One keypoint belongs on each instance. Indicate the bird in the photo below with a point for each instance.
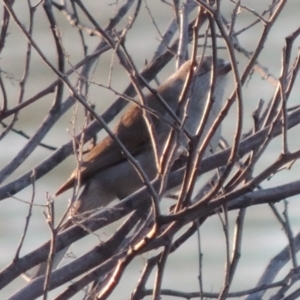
(105, 172)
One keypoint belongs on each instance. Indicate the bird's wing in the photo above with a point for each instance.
(107, 153)
(131, 131)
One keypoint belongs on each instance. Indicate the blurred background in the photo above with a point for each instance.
(263, 235)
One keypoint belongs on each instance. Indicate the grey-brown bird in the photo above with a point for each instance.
(107, 175)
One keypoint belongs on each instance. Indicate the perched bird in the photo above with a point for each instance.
(107, 175)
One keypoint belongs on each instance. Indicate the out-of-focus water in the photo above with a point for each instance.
(263, 237)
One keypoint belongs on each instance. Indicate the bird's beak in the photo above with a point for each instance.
(224, 68)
